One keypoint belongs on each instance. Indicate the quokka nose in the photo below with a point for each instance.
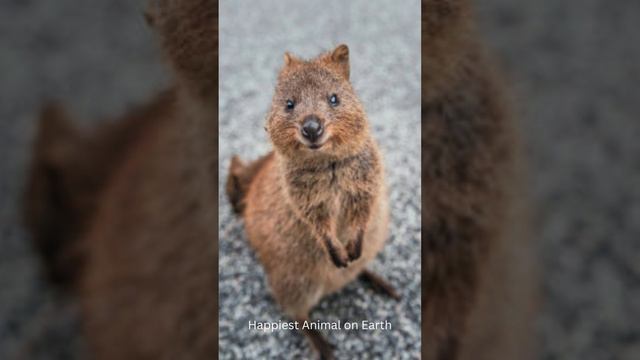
(311, 128)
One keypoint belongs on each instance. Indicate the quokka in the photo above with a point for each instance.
(315, 208)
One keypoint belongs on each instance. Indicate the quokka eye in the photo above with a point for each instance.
(333, 100)
(290, 104)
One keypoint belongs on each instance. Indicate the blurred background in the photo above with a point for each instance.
(99, 59)
(573, 66)
(574, 69)
(384, 52)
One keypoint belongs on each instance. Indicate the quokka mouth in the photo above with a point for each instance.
(317, 145)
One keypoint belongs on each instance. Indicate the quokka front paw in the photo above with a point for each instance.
(354, 248)
(337, 253)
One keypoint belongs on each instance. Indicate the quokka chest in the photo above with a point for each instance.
(332, 188)
(329, 181)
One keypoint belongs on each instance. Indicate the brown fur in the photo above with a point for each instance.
(314, 217)
(69, 168)
(477, 276)
(126, 214)
(189, 28)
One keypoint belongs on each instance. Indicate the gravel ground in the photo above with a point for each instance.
(574, 66)
(385, 70)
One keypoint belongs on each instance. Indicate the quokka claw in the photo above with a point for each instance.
(340, 259)
(354, 249)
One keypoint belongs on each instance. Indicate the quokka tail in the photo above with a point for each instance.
(240, 177)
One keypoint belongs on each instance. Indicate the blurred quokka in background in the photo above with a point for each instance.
(478, 279)
(315, 209)
(125, 216)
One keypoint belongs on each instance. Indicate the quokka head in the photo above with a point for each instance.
(315, 111)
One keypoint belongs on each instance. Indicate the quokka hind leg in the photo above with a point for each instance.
(379, 284)
(318, 341)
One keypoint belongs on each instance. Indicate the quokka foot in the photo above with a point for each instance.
(379, 284)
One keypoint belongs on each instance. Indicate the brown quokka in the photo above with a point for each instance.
(125, 216)
(478, 278)
(315, 209)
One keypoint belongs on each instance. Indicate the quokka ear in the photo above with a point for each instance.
(149, 17)
(340, 56)
(290, 59)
